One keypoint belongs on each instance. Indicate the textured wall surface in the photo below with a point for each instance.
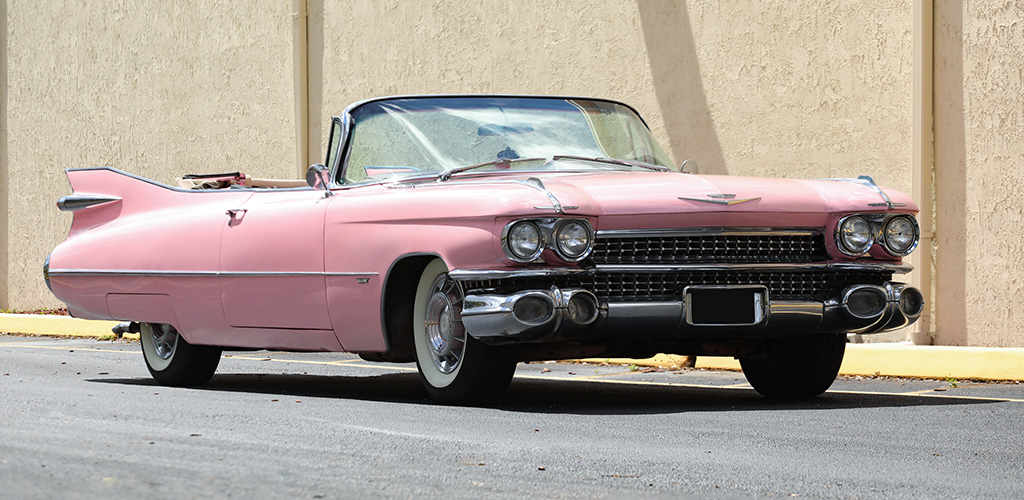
(154, 88)
(805, 90)
(781, 88)
(979, 172)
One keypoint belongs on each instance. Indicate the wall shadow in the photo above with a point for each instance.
(950, 177)
(315, 83)
(672, 55)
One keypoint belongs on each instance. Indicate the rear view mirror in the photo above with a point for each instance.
(688, 167)
(316, 177)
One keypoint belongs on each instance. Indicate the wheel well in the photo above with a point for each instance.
(396, 316)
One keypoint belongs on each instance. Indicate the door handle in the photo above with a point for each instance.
(233, 212)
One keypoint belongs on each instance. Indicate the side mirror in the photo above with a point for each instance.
(316, 177)
(688, 167)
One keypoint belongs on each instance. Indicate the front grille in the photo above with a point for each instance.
(662, 286)
(710, 248)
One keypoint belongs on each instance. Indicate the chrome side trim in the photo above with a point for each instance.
(474, 275)
(73, 202)
(191, 274)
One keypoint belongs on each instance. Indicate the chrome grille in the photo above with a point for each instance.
(660, 286)
(702, 248)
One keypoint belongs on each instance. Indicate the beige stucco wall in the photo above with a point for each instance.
(155, 88)
(979, 172)
(775, 88)
(798, 89)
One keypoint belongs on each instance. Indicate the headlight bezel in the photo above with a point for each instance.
(509, 245)
(587, 236)
(550, 230)
(877, 233)
(889, 247)
(848, 248)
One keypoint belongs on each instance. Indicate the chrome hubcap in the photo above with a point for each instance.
(165, 337)
(443, 325)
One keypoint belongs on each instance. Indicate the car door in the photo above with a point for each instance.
(272, 261)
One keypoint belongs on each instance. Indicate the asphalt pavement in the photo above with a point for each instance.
(82, 418)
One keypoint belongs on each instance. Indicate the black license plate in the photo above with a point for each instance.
(725, 306)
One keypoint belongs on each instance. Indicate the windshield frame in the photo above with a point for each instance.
(347, 121)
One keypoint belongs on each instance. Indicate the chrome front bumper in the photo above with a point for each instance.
(554, 314)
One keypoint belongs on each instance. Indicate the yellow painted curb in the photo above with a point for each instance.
(891, 360)
(59, 326)
(939, 362)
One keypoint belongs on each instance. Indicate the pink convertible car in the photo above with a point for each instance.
(467, 233)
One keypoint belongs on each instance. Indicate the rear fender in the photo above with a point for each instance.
(101, 195)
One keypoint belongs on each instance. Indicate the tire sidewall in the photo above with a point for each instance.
(424, 360)
(153, 360)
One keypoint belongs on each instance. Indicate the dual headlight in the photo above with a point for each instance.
(897, 234)
(525, 240)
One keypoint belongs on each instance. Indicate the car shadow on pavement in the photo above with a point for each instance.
(561, 396)
(581, 398)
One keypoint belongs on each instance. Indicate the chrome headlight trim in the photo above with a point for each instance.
(568, 249)
(845, 232)
(893, 248)
(513, 238)
(552, 235)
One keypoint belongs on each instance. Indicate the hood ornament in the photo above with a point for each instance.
(866, 180)
(721, 199)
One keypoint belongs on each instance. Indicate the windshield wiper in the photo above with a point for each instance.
(447, 174)
(613, 161)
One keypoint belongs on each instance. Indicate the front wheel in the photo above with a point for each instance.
(796, 367)
(172, 360)
(454, 367)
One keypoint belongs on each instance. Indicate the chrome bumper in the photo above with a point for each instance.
(555, 314)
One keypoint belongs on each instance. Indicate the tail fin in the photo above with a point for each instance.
(100, 195)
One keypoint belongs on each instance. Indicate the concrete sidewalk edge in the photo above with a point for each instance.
(893, 360)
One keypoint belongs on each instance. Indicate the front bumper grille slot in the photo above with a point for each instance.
(662, 286)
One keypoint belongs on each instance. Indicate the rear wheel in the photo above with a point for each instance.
(172, 360)
(796, 367)
(454, 367)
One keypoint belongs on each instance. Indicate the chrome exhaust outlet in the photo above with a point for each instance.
(580, 306)
(866, 302)
(910, 300)
(528, 314)
(907, 305)
(533, 308)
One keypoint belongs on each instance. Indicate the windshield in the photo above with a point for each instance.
(428, 136)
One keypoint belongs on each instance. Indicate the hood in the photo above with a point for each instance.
(716, 200)
(631, 199)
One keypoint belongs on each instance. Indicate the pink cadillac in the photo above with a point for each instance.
(467, 233)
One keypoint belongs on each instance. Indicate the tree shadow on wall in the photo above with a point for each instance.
(668, 36)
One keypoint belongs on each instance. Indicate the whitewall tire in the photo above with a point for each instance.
(454, 367)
